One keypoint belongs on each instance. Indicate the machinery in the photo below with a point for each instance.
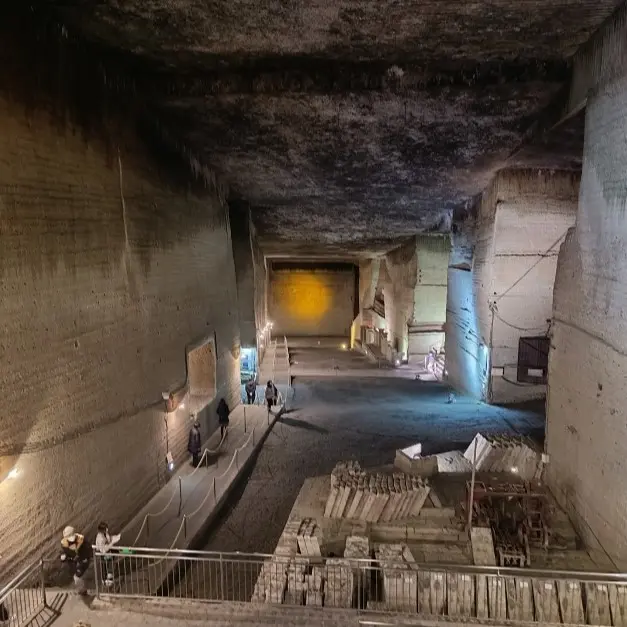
(517, 513)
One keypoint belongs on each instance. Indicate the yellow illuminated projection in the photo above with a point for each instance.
(305, 296)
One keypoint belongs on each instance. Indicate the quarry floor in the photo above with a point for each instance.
(338, 417)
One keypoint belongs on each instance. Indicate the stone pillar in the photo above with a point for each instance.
(506, 292)
(534, 210)
(401, 267)
(587, 398)
(426, 328)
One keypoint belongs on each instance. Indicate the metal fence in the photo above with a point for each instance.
(23, 598)
(461, 592)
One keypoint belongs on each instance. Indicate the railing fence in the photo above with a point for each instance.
(454, 591)
(23, 598)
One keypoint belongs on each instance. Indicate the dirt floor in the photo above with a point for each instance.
(337, 418)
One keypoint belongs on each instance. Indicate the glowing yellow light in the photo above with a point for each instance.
(304, 295)
(343, 347)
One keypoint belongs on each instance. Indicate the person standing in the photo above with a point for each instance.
(104, 543)
(77, 554)
(251, 390)
(270, 395)
(223, 412)
(194, 445)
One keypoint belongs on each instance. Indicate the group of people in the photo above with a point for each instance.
(77, 553)
(271, 393)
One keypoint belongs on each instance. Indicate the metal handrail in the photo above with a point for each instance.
(356, 562)
(23, 602)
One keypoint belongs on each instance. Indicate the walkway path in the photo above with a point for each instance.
(179, 514)
(198, 490)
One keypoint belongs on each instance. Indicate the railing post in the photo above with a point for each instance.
(43, 582)
(97, 570)
(221, 579)
(180, 495)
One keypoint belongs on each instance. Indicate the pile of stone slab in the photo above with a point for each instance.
(314, 586)
(272, 581)
(357, 552)
(506, 453)
(307, 538)
(358, 495)
(414, 463)
(339, 583)
(400, 579)
(495, 453)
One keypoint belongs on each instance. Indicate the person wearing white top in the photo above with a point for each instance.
(104, 543)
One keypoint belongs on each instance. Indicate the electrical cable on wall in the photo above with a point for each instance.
(542, 256)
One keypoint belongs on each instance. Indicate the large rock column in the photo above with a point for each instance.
(504, 296)
(587, 399)
(426, 327)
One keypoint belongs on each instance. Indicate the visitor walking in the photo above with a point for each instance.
(223, 412)
(194, 445)
(251, 390)
(270, 395)
(104, 543)
(77, 554)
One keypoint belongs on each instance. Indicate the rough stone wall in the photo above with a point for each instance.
(398, 288)
(586, 405)
(260, 284)
(533, 213)
(107, 274)
(239, 220)
(521, 220)
(467, 313)
(312, 301)
(429, 316)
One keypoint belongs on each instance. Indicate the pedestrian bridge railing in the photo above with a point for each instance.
(459, 592)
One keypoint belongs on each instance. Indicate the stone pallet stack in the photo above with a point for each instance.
(339, 583)
(307, 538)
(505, 453)
(272, 581)
(400, 579)
(315, 587)
(288, 542)
(358, 548)
(358, 495)
(296, 584)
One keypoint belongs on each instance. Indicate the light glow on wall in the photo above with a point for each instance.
(306, 297)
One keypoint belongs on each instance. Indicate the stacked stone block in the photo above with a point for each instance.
(272, 581)
(400, 578)
(506, 453)
(358, 549)
(315, 587)
(357, 495)
(296, 585)
(339, 583)
(307, 538)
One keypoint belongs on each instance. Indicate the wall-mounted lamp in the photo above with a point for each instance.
(13, 473)
(169, 460)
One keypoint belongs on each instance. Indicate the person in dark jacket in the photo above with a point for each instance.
(194, 445)
(77, 554)
(223, 412)
(251, 390)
